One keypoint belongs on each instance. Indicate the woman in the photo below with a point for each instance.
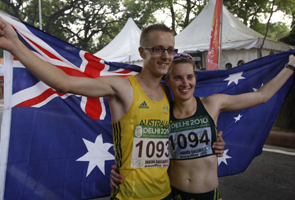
(193, 166)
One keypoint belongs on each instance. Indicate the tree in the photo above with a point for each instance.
(276, 30)
(289, 7)
(290, 39)
(12, 8)
(141, 11)
(79, 22)
(90, 25)
(91, 19)
(183, 12)
(247, 9)
(191, 9)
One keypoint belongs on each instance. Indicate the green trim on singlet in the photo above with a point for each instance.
(200, 112)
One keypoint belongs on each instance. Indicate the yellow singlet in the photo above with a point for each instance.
(141, 146)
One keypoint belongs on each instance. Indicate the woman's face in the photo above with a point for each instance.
(182, 81)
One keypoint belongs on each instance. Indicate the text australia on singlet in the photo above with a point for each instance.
(150, 144)
(190, 138)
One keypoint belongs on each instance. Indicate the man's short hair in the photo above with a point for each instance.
(155, 27)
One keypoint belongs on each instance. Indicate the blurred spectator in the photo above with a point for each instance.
(241, 62)
(228, 66)
(198, 66)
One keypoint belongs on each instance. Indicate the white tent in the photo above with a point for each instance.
(124, 47)
(1, 70)
(239, 42)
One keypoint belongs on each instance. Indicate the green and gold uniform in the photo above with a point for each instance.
(141, 146)
(192, 138)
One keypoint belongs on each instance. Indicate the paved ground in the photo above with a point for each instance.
(270, 176)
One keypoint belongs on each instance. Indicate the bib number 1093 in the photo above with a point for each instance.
(149, 153)
(152, 148)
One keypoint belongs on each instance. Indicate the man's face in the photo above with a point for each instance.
(158, 63)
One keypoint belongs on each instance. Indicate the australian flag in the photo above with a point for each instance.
(59, 146)
(55, 145)
(245, 131)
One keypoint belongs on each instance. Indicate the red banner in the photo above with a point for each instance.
(213, 54)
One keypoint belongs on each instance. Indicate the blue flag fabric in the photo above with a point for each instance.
(245, 131)
(53, 146)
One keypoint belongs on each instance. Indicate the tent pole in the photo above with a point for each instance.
(40, 16)
(220, 35)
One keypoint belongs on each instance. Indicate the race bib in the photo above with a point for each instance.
(190, 138)
(150, 147)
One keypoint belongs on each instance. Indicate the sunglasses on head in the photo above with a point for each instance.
(181, 56)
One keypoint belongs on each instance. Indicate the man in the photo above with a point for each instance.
(137, 103)
(228, 66)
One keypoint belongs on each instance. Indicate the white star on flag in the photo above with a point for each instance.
(254, 89)
(234, 78)
(238, 118)
(97, 154)
(224, 157)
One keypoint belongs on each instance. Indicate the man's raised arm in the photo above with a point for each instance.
(49, 74)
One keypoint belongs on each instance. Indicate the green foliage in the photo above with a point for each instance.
(287, 6)
(289, 39)
(79, 22)
(250, 11)
(141, 11)
(91, 25)
(247, 9)
(275, 30)
(188, 12)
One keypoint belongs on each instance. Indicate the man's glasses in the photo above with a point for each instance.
(161, 50)
(182, 56)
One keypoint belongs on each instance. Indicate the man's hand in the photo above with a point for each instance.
(219, 146)
(7, 36)
(292, 60)
(115, 178)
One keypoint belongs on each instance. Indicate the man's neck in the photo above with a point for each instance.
(150, 86)
(148, 80)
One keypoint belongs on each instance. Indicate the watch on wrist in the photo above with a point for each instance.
(290, 66)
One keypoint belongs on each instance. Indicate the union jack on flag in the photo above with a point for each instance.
(73, 61)
(59, 146)
(69, 135)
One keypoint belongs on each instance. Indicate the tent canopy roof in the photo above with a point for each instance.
(195, 37)
(235, 34)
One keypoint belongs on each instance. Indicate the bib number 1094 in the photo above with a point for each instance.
(191, 139)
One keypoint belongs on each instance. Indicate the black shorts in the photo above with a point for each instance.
(181, 195)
